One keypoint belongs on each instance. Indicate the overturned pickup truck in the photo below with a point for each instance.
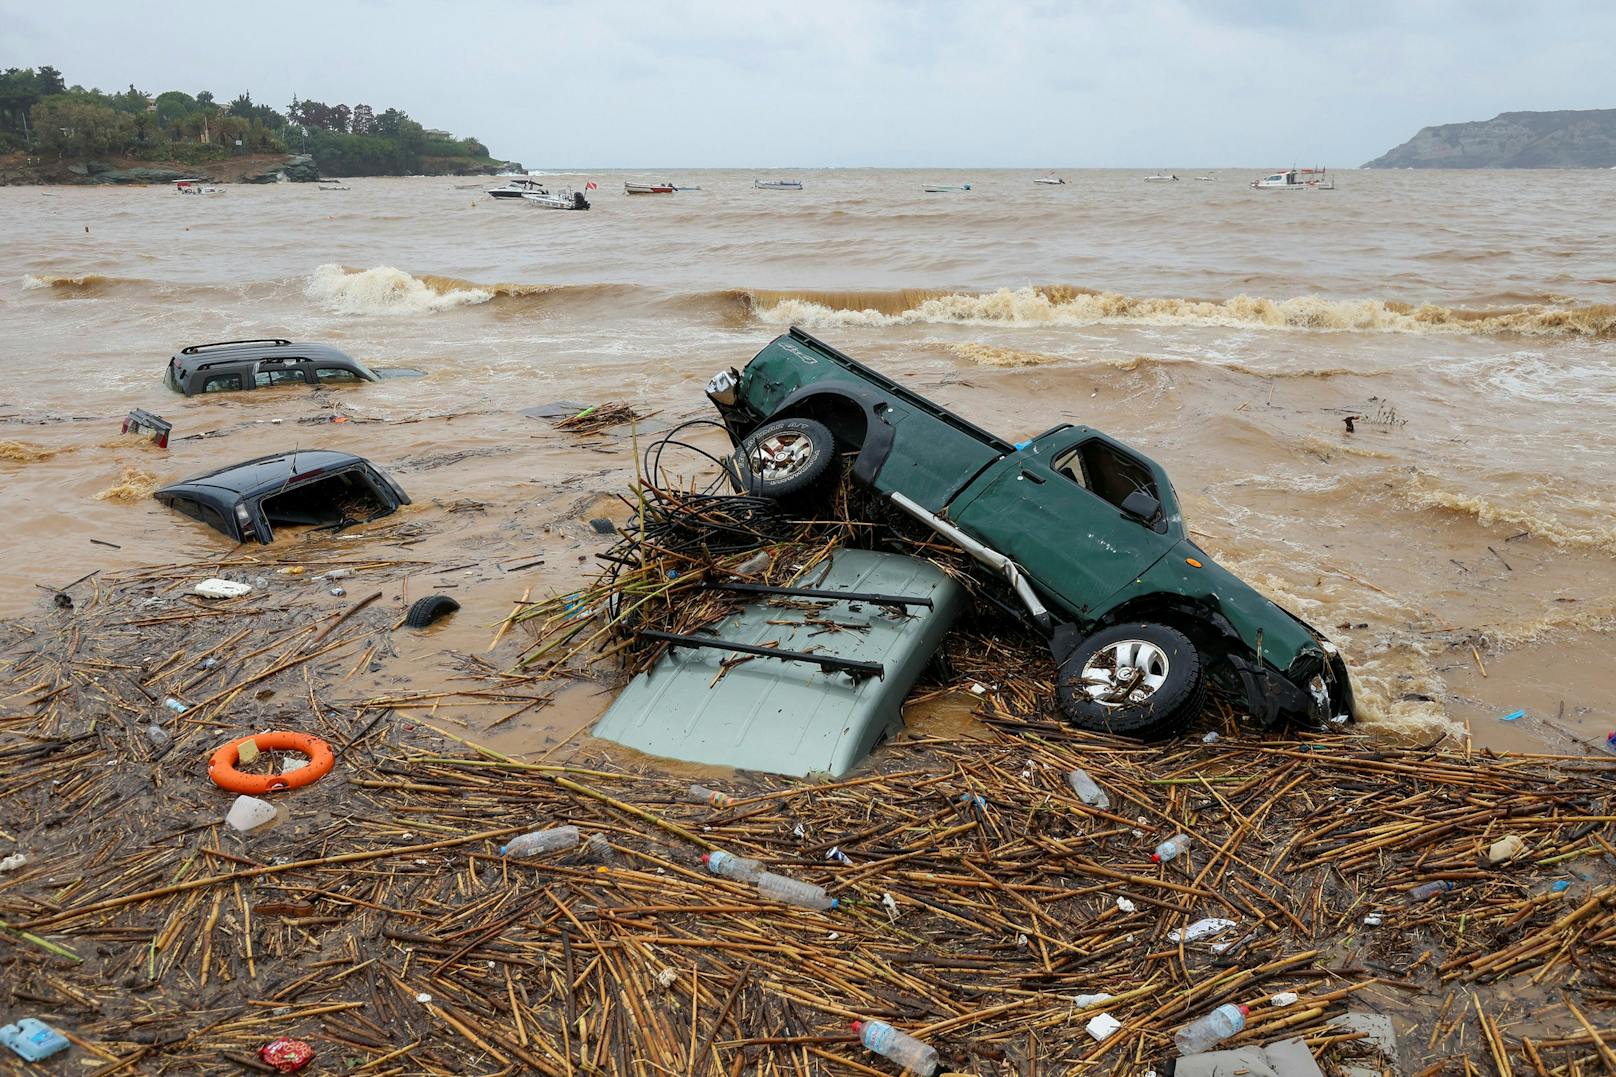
(1085, 531)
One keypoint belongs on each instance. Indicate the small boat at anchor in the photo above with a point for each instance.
(649, 188)
(559, 199)
(943, 188)
(192, 186)
(1161, 177)
(517, 188)
(1051, 180)
(1296, 179)
(777, 185)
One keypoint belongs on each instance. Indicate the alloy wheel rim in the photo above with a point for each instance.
(1125, 673)
(782, 455)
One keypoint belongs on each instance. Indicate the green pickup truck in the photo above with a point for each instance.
(1085, 532)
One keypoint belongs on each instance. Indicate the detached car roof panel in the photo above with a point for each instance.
(785, 717)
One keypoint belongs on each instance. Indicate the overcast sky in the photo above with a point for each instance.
(690, 83)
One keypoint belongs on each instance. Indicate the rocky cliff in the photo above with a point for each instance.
(1565, 139)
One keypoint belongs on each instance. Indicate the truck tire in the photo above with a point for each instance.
(1161, 685)
(787, 460)
(423, 611)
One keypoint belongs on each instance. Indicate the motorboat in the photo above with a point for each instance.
(777, 185)
(560, 199)
(941, 188)
(518, 188)
(196, 187)
(1161, 177)
(649, 188)
(1296, 179)
(335, 187)
(1051, 180)
(1204, 179)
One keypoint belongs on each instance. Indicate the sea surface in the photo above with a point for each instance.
(1459, 543)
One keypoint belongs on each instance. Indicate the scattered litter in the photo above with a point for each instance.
(217, 588)
(13, 862)
(794, 892)
(1284, 998)
(837, 855)
(175, 705)
(423, 611)
(1126, 906)
(1201, 929)
(603, 526)
(1505, 848)
(729, 866)
(1211, 1029)
(910, 1054)
(541, 841)
(1087, 789)
(336, 592)
(1374, 919)
(1512, 716)
(593, 420)
(33, 1039)
(889, 903)
(222, 765)
(249, 814)
(288, 1056)
(1102, 1026)
(981, 690)
(598, 849)
(1088, 1002)
(423, 998)
(1210, 738)
(1429, 890)
(1170, 849)
(754, 564)
(700, 794)
(667, 978)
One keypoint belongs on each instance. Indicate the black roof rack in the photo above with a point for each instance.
(278, 342)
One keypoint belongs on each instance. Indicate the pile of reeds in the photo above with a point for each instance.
(601, 417)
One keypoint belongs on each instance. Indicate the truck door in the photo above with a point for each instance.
(1056, 509)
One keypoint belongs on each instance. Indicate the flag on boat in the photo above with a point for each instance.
(590, 186)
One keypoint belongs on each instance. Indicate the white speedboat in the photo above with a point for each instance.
(335, 187)
(517, 188)
(196, 187)
(1161, 177)
(941, 188)
(649, 188)
(777, 185)
(1051, 180)
(1296, 179)
(560, 199)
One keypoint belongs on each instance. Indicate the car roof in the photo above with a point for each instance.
(197, 356)
(266, 472)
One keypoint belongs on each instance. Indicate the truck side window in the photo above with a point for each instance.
(1105, 472)
(221, 383)
(332, 373)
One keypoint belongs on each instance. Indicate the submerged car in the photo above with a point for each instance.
(1083, 530)
(309, 487)
(230, 365)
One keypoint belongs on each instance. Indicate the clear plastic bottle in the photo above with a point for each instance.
(700, 794)
(598, 849)
(900, 1047)
(1429, 890)
(157, 735)
(1173, 847)
(1087, 790)
(794, 891)
(729, 866)
(175, 705)
(1205, 1032)
(540, 841)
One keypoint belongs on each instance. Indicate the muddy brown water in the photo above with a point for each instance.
(1467, 321)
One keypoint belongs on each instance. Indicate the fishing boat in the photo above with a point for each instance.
(777, 185)
(649, 188)
(559, 199)
(1051, 180)
(335, 187)
(192, 186)
(1161, 177)
(941, 188)
(1296, 179)
(517, 188)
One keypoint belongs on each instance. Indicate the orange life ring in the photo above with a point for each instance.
(222, 767)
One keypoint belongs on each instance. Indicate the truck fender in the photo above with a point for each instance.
(875, 438)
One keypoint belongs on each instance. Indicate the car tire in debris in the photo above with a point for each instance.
(423, 611)
(1137, 679)
(788, 459)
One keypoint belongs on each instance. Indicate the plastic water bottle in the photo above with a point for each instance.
(1429, 890)
(1086, 789)
(541, 841)
(1173, 847)
(175, 705)
(598, 849)
(729, 866)
(794, 891)
(157, 735)
(900, 1047)
(1214, 1028)
(700, 794)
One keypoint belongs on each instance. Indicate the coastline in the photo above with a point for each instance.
(32, 170)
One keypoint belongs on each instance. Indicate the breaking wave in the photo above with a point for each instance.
(82, 284)
(1068, 306)
(385, 290)
(1420, 494)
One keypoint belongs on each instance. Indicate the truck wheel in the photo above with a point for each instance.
(1136, 679)
(785, 459)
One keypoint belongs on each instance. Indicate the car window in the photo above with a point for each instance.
(332, 373)
(277, 376)
(1105, 471)
(185, 505)
(219, 383)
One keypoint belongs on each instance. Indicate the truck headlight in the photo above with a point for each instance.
(724, 387)
(1321, 695)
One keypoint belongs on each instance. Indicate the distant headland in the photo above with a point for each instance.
(53, 133)
(1564, 139)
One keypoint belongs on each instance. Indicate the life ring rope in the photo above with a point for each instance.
(222, 766)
